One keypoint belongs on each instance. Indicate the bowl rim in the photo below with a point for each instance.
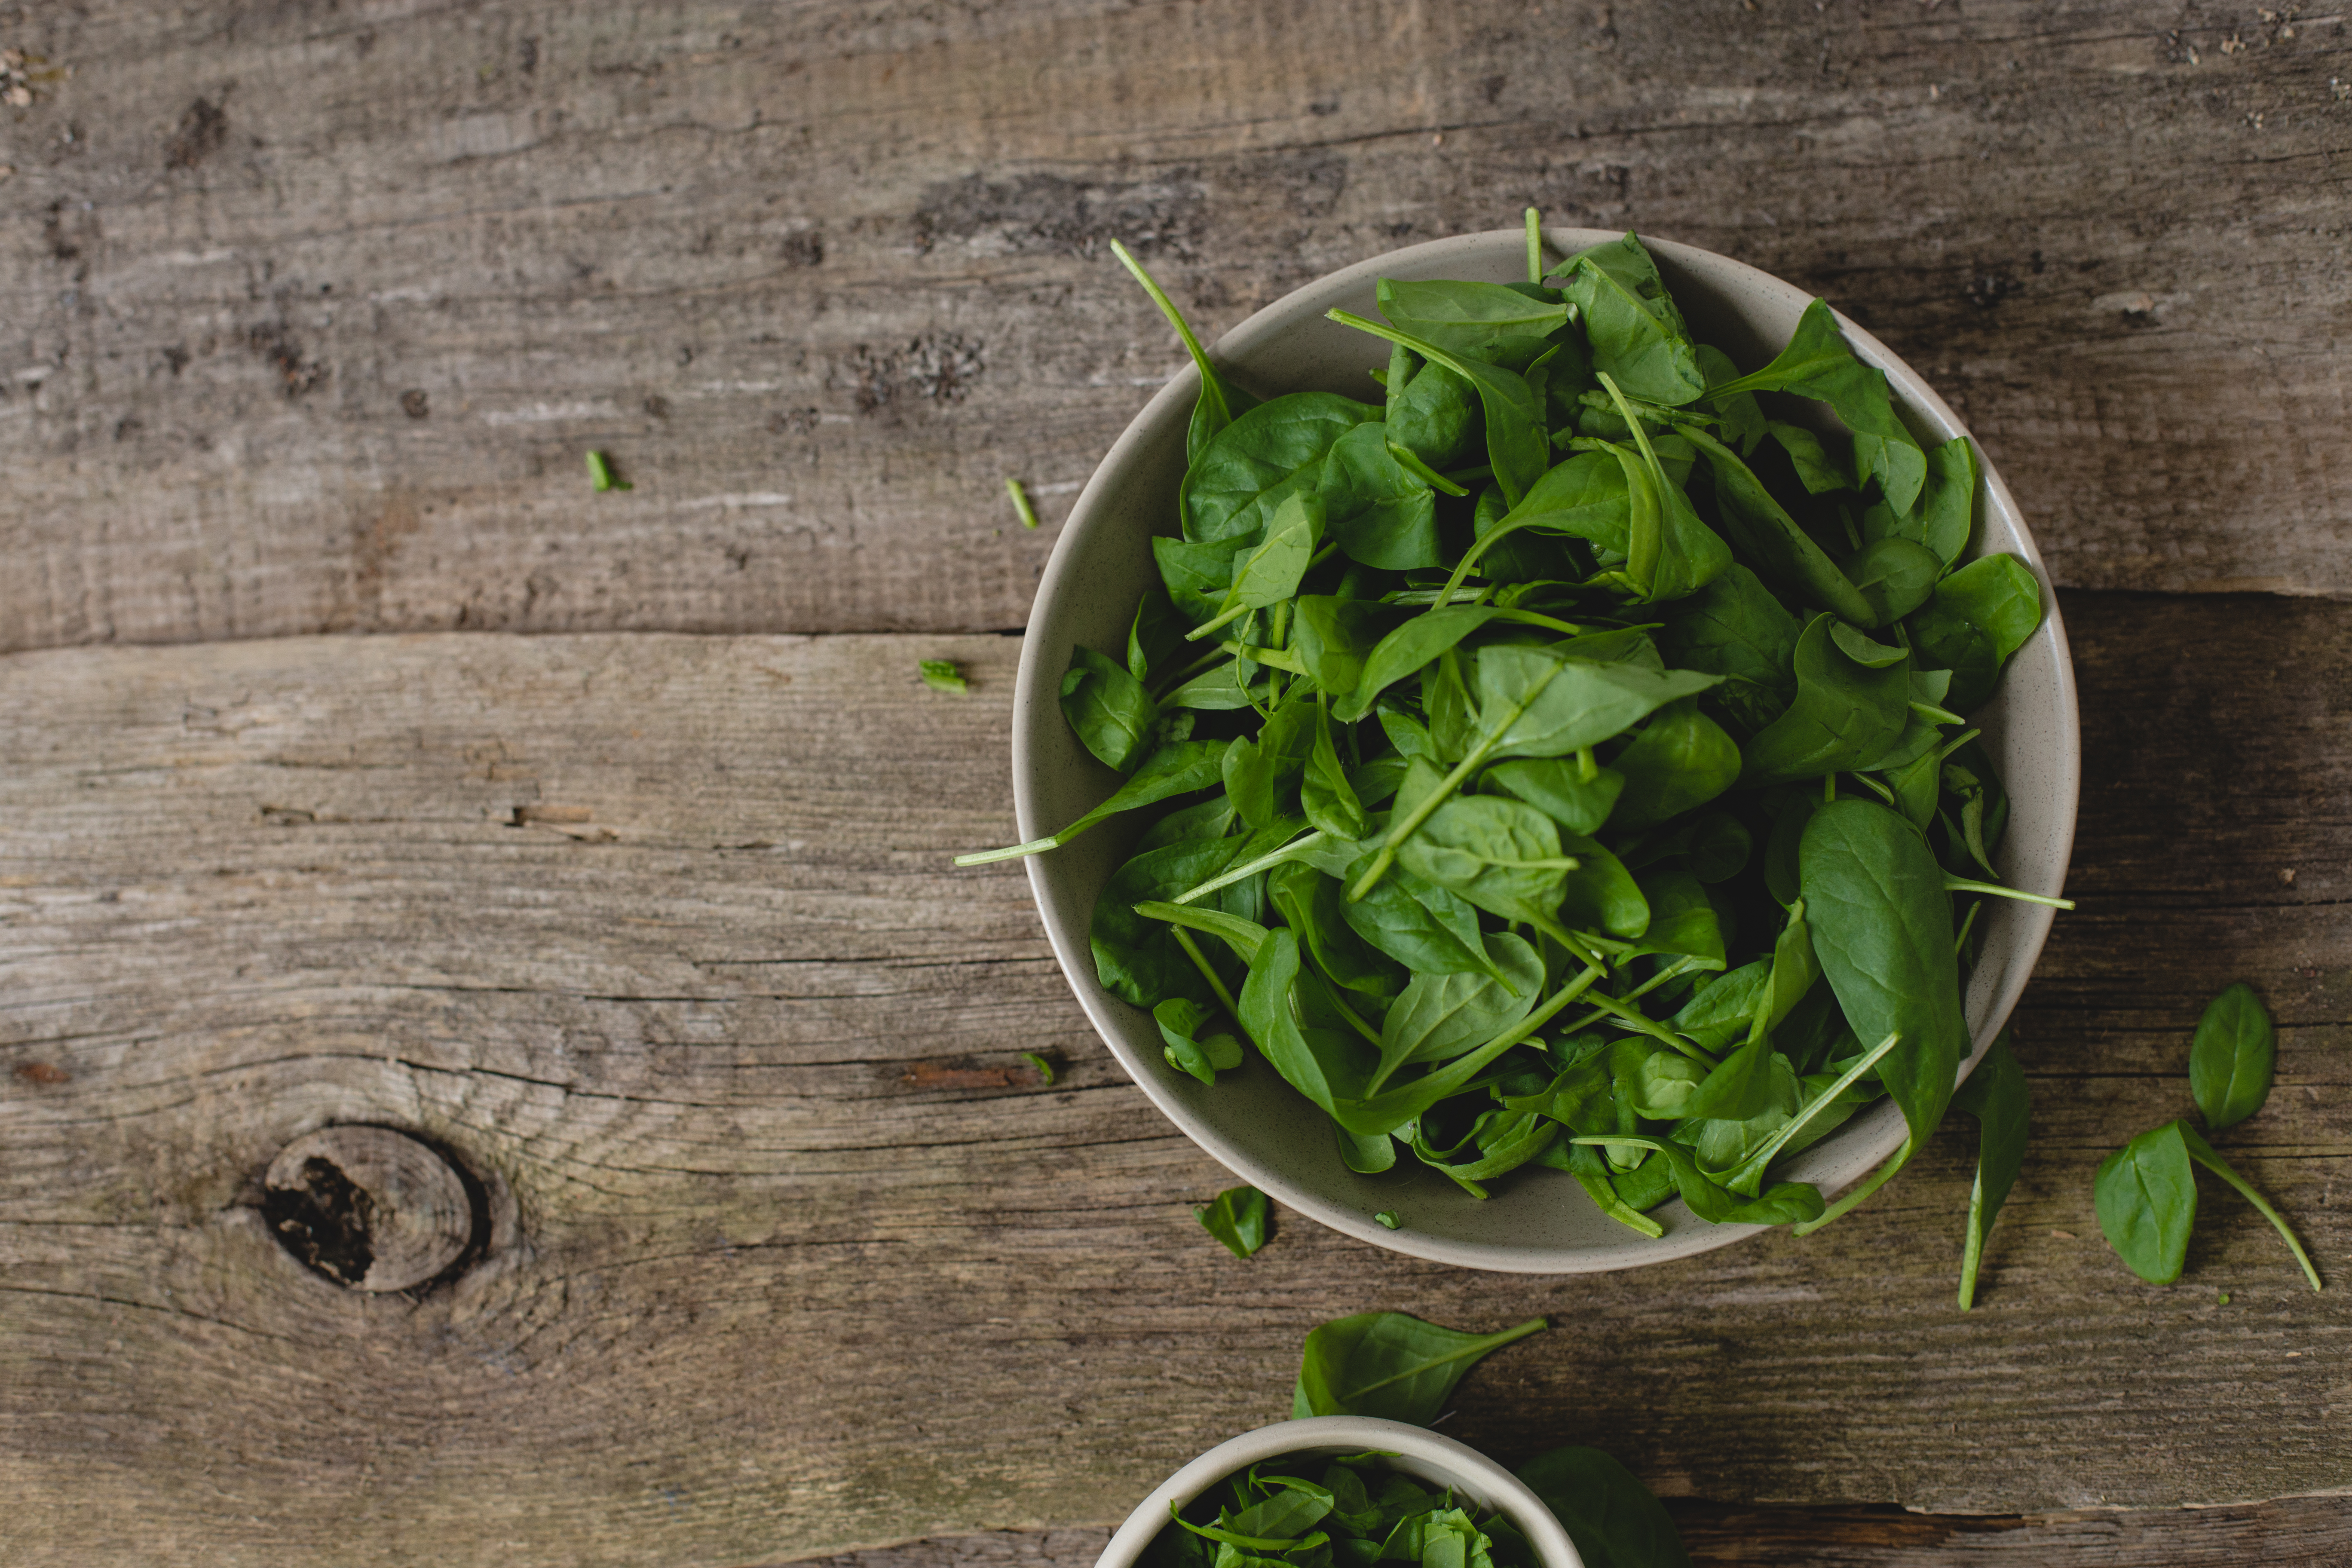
(1879, 1126)
(1455, 1463)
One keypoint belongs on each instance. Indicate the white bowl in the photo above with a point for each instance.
(1253, 1123)
(1414, 1450)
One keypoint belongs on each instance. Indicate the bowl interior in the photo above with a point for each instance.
(1253, 1123)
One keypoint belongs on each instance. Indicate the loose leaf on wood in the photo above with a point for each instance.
(2203, 1152)
(2230, 1064)
(2146, 1194)
(1997, 1097)
(1389, 1365)
(1237, 1218)
(1613, 1520)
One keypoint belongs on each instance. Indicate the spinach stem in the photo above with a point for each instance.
(1021, 502)
(1462, 1069)
(1994, 890)
(1200, 961)
(1273, 858)
(1972, 1252)
(1752, 1168)
(1869, 1184)
(1409, 461)
(1535, 247)
(1212, 387)
(2213, 1161)
(1279, 658)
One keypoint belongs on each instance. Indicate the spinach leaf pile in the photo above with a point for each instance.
(2146, 1192)
(1560, 761)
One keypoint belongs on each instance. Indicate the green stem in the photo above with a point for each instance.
(1535, 247)
(1994, 890)
(1273, 858)
(1225, 617)
(1870, 1184)
(1409, 461)
(1021, 502)
(2204, 1156)
(1279, 658)
(1681, 966)
(1200, 961)
(1010, 851)
(1753, 1166)
(1189, 671)
(1212, 387)
(1456, 1074)
(1972, 1252)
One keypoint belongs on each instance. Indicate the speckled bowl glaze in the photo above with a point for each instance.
(1251, 1122)
(1412, 1449)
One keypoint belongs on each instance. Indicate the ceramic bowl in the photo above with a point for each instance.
(1253, 1123)
(1412, 1449)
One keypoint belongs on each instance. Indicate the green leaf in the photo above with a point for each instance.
(1312, 905)
(1432, 413)
(1185, 1048)
(1816, 470)
(1881, 928)
(1679, 760)
(2203, 1152)
(1999, 595)
(1516, 446)
(1613, 1519)
(1109, 710)
(1439, 1017)
(1637, 335)
(1844, 714)
(1997, 1097)
(1421, 925)
(1324, 792)
(1389, 1365)
(1558, 787)
(1263, 457)
(1324, 1066)
(1408, 649)
(1267, 572)
(1219, 402)
(942, 675)
(1502, 854)
(1237, 1218)
(1333, 637)
(2146, 1197)
(1818, 363)
(1138, 959)
(1553, 703)
(1893, 575)
(1763, 530)
(2231, 1060)
(1489, 321)
(1375, 510)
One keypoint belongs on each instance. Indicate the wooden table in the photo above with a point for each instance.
(612, 860)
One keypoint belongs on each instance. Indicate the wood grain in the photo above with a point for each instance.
(793, 1254)
(309, 314)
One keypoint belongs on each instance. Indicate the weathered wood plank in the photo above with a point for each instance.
(794, 1255)
(308, 316)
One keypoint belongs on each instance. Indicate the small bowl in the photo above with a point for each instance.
(1253, 1123)
(1414, 1450)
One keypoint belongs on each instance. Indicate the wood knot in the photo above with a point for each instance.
(373, 1208)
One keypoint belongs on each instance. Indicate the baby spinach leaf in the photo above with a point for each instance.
(1502, 854)
(1558, 787)
(1637, 335)
(1843, 714)
(1545, 704)
(1138, 959)
(1734, 626)
(1881, 928)
(1613, 1520)
(2203, 1152)
(1408, 649)
(1439, 1017)
(1109, 710)
(1376, 511)
(1432, 413)
(2231, 1062)
(1819, 473)
(1311, 904)
(1324, 792)
(1217, 689)
(1669, 553)
(1584, 498)
(1783, 1203)
(1180, 1019)
(1765, 532)
(1680, 759)
(1818, 363)
(1156, 636)
(1324, 1066)
(1999, 596)
(1516, 444)
(2146, 1197)
(1259, 774)
(1942, 637)
(1996, 1096)
(1489, 321)
(941, 675)
(1177, 768)
(1264, 456)
(1268, 572)
(1421, 925)
(1196, 575)
(1740, 1087)
(1598, 893)
(1389, 1365)
(1333, 637)
(1237, 1218)
(1946, 517)
(1893, 575)
(1219, 402)
(1858, 647)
